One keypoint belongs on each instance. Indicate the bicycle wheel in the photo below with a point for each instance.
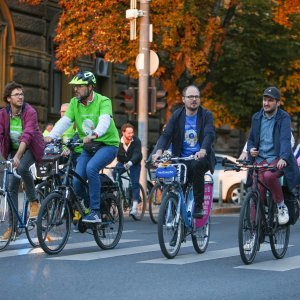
(249, 226)
(200, 237)
(108, 234)
(53, 223)
(6, 221)
(31, 224)
(155, 197)
(169, 231)
(141, 207)
(279, 239)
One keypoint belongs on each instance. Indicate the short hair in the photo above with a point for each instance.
(9, 88)
(185, 89)
(64, 105)
(125, 126)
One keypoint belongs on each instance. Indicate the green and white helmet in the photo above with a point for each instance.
(84, 77)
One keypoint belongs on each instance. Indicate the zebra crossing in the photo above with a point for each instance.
(128, 247)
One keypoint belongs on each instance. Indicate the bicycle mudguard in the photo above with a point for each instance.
(207, 204)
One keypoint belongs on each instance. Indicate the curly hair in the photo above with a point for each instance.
(9, 88)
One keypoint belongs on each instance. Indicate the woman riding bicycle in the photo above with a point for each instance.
(269, 142)
(92, 114)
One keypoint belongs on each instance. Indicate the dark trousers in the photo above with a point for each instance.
(196, 170)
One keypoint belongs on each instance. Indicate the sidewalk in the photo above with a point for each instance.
(225, 208)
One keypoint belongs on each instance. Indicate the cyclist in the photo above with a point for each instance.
(129, 157)
(191, 132)
(92, 114)
(21, 140)
(269, 142)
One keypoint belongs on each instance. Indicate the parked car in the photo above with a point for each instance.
(229, 180)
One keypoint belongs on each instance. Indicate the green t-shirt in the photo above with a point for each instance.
(15, 132)
(86, 118)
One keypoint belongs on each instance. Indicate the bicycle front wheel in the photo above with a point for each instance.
(155, 197)
(6, 222)
(141, 207)
(169, 230)
(31, 224)
(249, 226)
(200, 237)
(53, 223)
(108, 234)
(279, 239)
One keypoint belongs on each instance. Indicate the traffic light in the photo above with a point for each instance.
(156, 100)
(130, 100)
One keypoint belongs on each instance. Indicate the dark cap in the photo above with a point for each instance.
(273, 92)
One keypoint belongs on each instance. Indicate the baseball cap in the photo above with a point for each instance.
(273, 92)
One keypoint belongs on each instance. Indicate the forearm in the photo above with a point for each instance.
(21, 150)
(60, 127)
(103, 125)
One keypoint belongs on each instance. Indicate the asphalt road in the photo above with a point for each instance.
(136, 268)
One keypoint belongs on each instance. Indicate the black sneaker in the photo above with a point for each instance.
(198, 213)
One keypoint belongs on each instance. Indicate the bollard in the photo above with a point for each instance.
(242, 192)
(220, 193)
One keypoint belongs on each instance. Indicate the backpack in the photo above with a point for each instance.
(292, 203)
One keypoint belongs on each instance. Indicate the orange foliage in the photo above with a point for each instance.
(284, 9)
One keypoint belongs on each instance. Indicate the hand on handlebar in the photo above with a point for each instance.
(200, 154)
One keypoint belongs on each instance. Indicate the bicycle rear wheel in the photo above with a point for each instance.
(6, 221)
(200, 237)
(53, 223)
(141, 207)
(31, 224)
(279, 239)
(249, 226)
(108, 234)
(155, 197)
(169, 231)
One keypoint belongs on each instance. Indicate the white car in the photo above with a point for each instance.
(229, 180)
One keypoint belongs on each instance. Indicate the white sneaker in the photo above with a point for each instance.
(133, 210)
(283, 214)
(249, 244)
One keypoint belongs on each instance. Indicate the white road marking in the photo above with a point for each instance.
(278, 265)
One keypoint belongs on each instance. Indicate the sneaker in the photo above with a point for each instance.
(198, 213)
(249, 244)
(283, 215)
(92, 217)
(34, 209)
(133, 211)
(6, 235)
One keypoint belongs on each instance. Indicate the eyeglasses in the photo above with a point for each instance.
(192, 97)
(17, 95)
(79, 86)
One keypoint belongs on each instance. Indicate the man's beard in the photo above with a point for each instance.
(81, 98)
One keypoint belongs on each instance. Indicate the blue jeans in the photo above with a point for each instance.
(134, 173)
(88, 167)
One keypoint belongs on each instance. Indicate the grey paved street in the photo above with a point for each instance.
(136, 268)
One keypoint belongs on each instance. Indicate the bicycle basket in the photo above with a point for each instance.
(166, 174)
(47, 166)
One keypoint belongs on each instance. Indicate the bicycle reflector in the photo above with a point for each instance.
(166, 172)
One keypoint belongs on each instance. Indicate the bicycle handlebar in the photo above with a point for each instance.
(9, 164)
(245, 164)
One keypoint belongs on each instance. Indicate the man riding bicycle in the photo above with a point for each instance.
(191, 132)
(269, 142)
(92, 114)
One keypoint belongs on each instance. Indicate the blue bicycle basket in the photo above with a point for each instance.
(166, 172)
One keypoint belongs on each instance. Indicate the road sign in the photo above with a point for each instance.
(154, 62)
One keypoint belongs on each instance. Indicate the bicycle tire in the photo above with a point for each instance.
(6, 221)
(279, 239)
(168, 230)
(54, 223)
(200, 237)
(108, 234)
(249, 228)
(31, 224)
(155, 197)
(141, 207)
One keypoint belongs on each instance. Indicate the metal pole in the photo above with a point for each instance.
(143, 86)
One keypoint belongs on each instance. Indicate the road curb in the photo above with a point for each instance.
(226, 210)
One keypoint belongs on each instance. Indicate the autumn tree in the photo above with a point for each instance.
(230, 48)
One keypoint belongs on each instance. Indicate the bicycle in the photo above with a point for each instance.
(258, 219)
(57, 212)
(10, 219)
(175, 219)
(125, 193)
